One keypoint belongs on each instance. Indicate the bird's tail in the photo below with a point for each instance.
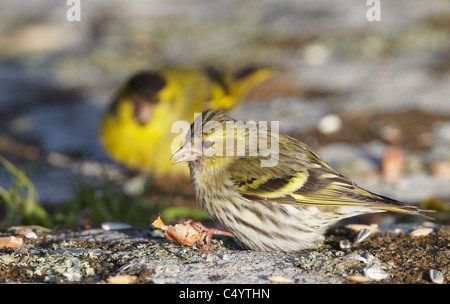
(235, 87)
(388, 204)
(247, 79)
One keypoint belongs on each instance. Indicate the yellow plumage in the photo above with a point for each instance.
(136, 129)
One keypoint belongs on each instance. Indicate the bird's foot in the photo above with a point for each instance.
(207, 234)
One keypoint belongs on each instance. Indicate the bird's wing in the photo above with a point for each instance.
(305, 181)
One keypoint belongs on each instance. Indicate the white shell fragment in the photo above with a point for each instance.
(436, 276)
(421, 232)
(372, 272)
(362, 235)
(115, 226)
(344, 244)
(375, 273)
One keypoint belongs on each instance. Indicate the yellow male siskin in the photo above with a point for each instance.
(285, 205)
(136, 129)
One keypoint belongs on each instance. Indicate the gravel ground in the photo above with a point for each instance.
(95, 255)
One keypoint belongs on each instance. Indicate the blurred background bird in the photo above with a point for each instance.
(136, 129)
(283, 204)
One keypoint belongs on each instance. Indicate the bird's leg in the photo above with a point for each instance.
(207, 234)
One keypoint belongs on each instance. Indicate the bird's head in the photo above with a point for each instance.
(143, 90)
(205, 141)
(216, 141)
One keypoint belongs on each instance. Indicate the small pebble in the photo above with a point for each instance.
(280, 279)
(344, 244)
(316, 54)
(329, 124)
(122, 279)
(427, 224)
(11, 242)
(358, 279)
(398, 231)
(440, 169)
(392, 165)
(209, 258)
(115, 226)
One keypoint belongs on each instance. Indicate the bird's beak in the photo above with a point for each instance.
(186, 153)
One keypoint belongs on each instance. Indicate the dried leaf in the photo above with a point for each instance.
(158, 223)
(184, 234)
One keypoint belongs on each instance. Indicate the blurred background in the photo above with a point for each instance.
(371, 97)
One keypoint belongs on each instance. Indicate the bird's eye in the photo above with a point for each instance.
(207, 144)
